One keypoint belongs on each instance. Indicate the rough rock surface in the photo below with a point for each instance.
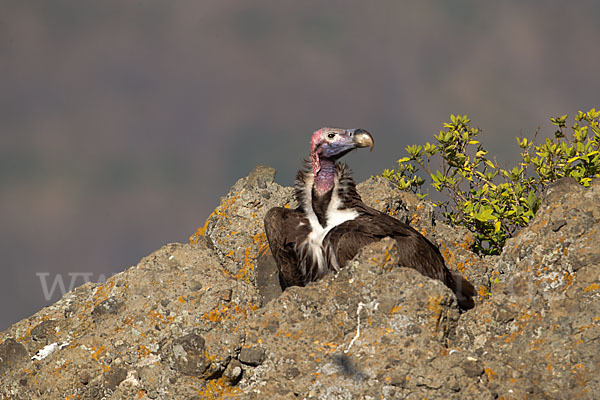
(539, 331)
(208, 319)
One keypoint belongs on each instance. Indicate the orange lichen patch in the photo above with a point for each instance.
(58, 371)
(181, 299)
(382, 262)
(385, 262)
(97, 353)
(27, 332)
(261, 240)
(102, 291)
(491, 374)
(585, 327)
(565, 280)
(158, 317)
(217, 315)
(578, 366)
(568, 279)
(468, 243)
(327, 347)
(143, 351)
(392, 212)
(387, 258)
(296, 335)
(217, 389)
(581, 374)
(483, 291)
(536, 345)
(460, 266)
(247, 265)
(395, 309)
(293, 335)
(434, 304)
(250, 256)
(219, 212)
(449, 255)
(419, 207)
(210, 357)
(521, 321)
(201, 231)
(593, 286)
(451, 259)
(227, 313)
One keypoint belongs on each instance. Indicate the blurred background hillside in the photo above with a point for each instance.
(122, 123)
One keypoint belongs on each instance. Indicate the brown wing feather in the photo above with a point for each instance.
(284, 228)
(416, 251)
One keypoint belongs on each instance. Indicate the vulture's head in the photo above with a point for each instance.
(333, 143)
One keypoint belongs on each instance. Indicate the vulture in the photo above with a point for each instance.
(331, 222)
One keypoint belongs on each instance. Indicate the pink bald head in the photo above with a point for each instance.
(329, 144)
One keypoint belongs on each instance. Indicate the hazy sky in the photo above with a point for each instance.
(124, 122)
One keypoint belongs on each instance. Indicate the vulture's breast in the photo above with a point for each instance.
(334, 216)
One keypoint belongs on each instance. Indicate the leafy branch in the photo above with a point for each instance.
(492, 202)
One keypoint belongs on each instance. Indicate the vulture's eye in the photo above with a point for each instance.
(331, 135)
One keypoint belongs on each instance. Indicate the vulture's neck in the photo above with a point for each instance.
(333, 183)
(324, 179)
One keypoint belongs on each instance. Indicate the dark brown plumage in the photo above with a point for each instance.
(331, 225)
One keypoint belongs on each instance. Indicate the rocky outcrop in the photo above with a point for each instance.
(208, 320)
(539, 330)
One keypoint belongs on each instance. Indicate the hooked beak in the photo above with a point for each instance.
(362, 138)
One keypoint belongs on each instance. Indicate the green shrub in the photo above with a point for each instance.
(490, 201)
